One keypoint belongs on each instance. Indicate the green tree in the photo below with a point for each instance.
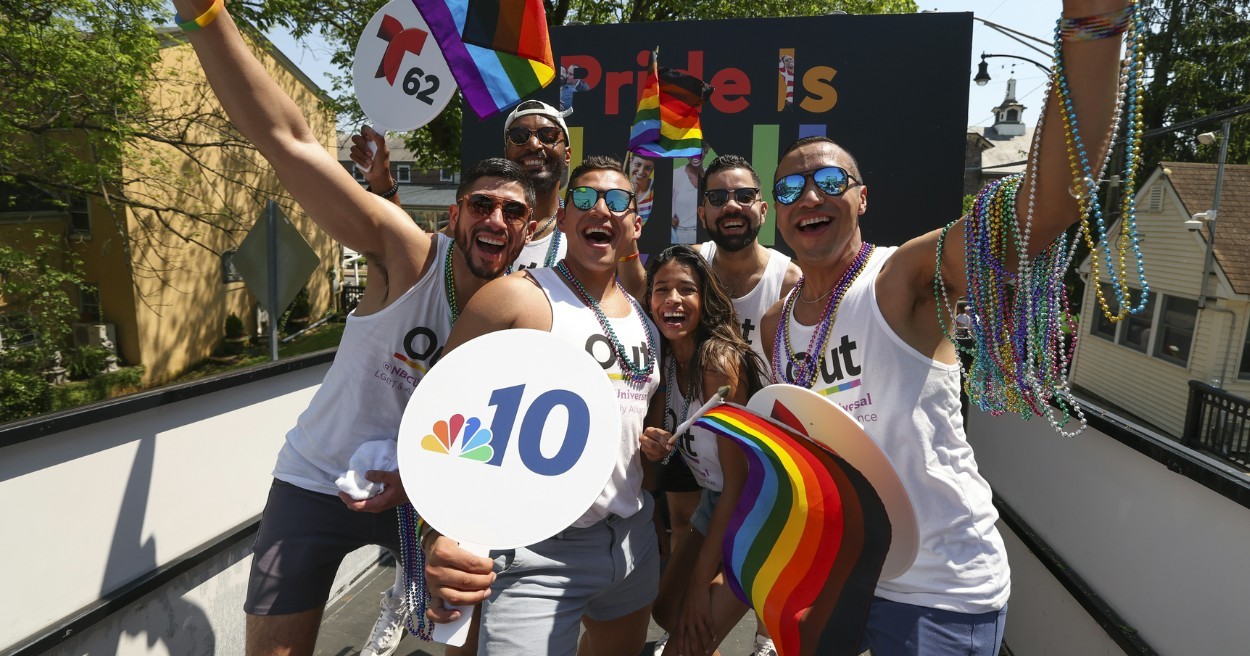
(1198, 61)
(438, 144)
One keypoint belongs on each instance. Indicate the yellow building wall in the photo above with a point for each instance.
(175, 274)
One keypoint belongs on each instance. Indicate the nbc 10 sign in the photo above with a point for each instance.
(509, 439)
(892, 89)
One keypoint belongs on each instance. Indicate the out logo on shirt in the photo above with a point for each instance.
(600, 348)
(489, 445)
(835, 368)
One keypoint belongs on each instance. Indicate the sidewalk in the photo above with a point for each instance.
(348, 621)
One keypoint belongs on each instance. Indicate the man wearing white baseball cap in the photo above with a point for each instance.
(536, 137)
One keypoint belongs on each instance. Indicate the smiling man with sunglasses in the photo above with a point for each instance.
(601, 573)
(536, 138)
(862, 328)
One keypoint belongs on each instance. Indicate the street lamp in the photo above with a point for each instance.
(1208, 138)
(983, 69)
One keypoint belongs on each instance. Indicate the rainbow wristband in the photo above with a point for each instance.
(1092, 28)
(203, 20)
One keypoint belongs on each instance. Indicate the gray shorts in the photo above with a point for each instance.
(702, 517)
(541, 592)
(302, 541)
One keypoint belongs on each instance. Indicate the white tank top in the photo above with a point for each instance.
(381, 358)
(755, 303)
(698, 447)
(573, 320)
(543, 252)
(909, 405)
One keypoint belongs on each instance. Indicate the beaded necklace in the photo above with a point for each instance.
(1085, 188)
(636, 374)
(412, 556)
(805, 371)
(449, 284)
(685, 396)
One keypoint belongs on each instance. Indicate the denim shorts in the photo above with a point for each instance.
(702, 517)
(604, 571)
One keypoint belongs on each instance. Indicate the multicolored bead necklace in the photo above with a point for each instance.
(636, 374)
(805, 371)
(1021, 352)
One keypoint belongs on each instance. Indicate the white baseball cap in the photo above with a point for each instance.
(540, 108)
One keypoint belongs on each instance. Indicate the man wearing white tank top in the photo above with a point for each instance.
(881, 354)
(394, 334)
(602, 572)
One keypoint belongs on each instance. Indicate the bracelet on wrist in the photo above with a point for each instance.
(389, 193)
(203, 20)
(627, 258)
(1092, 28)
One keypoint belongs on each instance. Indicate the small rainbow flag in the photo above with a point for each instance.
(667, 122)
(498, 50)
(808, 538)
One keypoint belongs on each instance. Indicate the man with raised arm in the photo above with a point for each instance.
(536, 138)
(865, 332)
(397, 332)
(602, 572)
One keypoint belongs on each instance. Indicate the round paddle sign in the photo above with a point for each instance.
(402, 81)
(509, 439)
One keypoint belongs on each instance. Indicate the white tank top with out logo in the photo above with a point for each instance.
(381, 358)
(572, 320)
(751, 307)
(909, 405)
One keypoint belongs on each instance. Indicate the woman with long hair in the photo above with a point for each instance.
(702, 351)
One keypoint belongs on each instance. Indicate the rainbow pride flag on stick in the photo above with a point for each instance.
(498, 50)
(667, 122)
(808, 538)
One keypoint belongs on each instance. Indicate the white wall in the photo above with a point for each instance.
(1166, 553)
(90, 509)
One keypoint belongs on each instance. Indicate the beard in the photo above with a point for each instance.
(734, 243)
(550, 176)
(465, 243)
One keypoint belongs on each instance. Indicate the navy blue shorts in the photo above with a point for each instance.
(897, 629)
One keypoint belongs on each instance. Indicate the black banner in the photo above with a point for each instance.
(891, 89)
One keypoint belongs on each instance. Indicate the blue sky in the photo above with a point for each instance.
(1034, 17)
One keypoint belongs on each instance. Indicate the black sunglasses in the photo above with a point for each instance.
(830, 180)
(483, 205)
(548, 136)
(584, 198)
(741, 195)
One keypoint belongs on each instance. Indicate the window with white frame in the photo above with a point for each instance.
(403, 173)
(79, 215)
(1177, 318)
(1164, 328)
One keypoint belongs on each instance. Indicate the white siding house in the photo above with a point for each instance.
(1143, 364)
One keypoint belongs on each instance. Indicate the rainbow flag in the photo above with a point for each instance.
(808, 537)
(498, 50)
(667, 122)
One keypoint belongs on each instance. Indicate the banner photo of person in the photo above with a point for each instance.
(892, 89)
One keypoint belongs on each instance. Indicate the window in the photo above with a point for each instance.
(403, 173)
(1154, 201)
(1176, 329)
(79, 215)
(446, 175)
(1243, 372)
(229, 272)
(1135, 329)
(1011, 116)
(89, 303)
(16, 330)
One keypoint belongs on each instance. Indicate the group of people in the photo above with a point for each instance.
(845, 318)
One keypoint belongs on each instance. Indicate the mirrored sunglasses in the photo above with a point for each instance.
(741, 195)
(483, 205)
(584, 198)
(830, 180)
(547, 136)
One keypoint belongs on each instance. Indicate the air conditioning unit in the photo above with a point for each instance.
(95, 334)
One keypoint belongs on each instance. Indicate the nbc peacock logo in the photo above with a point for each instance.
(475, 444)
